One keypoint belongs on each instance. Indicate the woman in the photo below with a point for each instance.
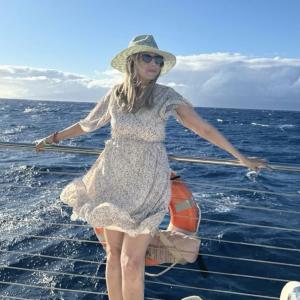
(127, 190)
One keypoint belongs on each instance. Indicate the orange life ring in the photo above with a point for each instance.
(184, 214)
(184, 210)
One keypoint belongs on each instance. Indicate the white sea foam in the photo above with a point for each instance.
(286, 126)
(281, 126)
(216, 202)
(14, 130)
(36, 109)
(262, 125)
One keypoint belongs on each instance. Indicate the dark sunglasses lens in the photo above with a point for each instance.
(146, 58)
(159, 60)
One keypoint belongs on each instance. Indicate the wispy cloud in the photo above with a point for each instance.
(214, 80)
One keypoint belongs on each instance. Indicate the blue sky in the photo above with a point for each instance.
(82, 36)
(79, 36)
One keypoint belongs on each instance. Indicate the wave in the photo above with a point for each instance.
(286, 126)
(216, 202)
(16, 129)
(36, 110)
(281, 126)
(262, 125)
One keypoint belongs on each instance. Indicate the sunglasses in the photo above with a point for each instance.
(147, 58)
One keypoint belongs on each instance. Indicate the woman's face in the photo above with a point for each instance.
(148, 70)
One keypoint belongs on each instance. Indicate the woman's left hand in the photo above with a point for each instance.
(255, 163)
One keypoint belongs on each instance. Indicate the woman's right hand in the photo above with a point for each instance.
(40, 144)
(255, 163)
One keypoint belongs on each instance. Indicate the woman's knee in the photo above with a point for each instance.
(132, 265)
(114, 240)
(113, 255)
(133, 255)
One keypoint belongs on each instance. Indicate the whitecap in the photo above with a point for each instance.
(29, 110)
(262, 125)
(283, 126)
(14, 130)
(39, 109)
(216, 202)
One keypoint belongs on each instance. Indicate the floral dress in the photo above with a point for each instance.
(128, 187)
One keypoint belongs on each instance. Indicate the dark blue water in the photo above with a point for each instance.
(31, 183)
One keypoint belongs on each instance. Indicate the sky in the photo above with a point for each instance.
(230, 53)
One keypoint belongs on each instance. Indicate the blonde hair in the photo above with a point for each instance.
(131, 95)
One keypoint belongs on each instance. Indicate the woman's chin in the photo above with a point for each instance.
(149, 78)
(153, 76)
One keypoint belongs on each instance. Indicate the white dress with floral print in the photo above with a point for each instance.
(128, 187)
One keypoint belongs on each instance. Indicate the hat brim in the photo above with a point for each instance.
(120, 60)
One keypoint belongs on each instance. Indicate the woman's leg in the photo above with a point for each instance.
(133, 266)
(114, 240)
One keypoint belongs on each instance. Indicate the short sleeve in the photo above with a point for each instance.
(98, 116)
(171, 102)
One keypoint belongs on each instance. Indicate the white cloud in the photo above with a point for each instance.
(234, 80)
(214, 80)
(46, 84)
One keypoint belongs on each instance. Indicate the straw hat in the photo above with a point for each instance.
(143, 43)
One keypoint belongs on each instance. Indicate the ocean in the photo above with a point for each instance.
(250, 244)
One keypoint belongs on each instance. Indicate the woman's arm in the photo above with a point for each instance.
(67, 133)
(194, 122)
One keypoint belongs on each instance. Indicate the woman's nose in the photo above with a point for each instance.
(153, 63)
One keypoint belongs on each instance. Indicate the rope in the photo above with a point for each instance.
(161, 266)
(162, 272)
(72, 240)
(166, 269)
(51, 288)
(295, 194)
(251, 260)
(214, 290)
(229, 162)
(250, 244)
(202, 200)
(53, 272)
(152, 282)
(97, 151)
(200, 237)
(254, 207)
(52, 148)
(188, 217)
(57, 289)
(51, 257)
(14, 297)
(252, 225)
(148, 281)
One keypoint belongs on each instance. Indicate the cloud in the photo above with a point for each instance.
(233, 80)
(22, 82)
(213, 80)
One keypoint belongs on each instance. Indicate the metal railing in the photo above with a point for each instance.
(96, 151)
